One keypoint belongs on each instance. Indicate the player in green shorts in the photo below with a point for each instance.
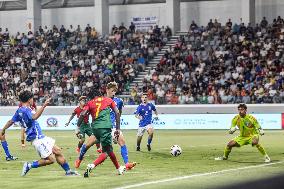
(85, 128)
(99, 108)
(249, 133)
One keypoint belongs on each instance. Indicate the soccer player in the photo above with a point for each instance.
(33, 107)
(249, 133)
(85, 128)
(111, 89)
(144, 114)
(99, 108)
(45, 146)
(4, 143)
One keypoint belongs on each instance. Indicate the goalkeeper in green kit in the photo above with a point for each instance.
(249, 133)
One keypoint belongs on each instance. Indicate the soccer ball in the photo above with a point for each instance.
(176, 150)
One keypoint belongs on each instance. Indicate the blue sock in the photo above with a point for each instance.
(65, 166)
(149, 140)
(35, 164)
(124, 154)
(82, 152)
(6, 149)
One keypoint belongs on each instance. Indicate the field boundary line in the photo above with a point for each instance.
(197, 175)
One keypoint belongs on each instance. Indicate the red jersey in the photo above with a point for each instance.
(78, 111)
(98, 104)
(33, 106)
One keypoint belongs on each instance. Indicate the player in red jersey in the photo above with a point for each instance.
(99, 108)
(85, 128)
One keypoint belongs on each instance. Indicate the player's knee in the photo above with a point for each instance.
(121, 141)
(255, 143)
(57, 151)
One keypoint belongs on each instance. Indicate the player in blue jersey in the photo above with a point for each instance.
(4, 143)
(144, 114)
(45, 146)
(111, 90)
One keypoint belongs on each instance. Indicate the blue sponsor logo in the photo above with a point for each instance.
(51, 122)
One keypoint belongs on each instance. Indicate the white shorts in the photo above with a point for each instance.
(44, 146)
(141, 130)
(113, 137)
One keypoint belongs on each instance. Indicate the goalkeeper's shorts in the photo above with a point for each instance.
(245, 140)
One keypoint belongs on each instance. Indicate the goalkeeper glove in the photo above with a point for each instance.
(261, 131)
(232, 130)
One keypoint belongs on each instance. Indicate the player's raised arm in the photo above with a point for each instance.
(71, 117)
(83, 114)
(257, 125)
(233, 127)
(7, 125)
(40, 110)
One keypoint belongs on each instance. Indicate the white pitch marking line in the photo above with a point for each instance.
(197, 175)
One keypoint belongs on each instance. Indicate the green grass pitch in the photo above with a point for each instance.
(199, 149)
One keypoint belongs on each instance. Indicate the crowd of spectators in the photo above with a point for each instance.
(221, 64)
(66, 62)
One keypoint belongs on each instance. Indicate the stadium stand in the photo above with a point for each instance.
(66, 62)
(217, 64)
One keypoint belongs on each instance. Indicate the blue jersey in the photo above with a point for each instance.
(145, 111)
(119, 105)
(24, 116)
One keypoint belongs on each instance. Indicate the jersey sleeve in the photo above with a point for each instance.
(112, 104)
(153, 107)
(234, 122)
(16, 117)
(86, 107)
(120, 105)
(255, 122)
(137, 111)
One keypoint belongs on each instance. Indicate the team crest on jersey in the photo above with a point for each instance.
(247, 124)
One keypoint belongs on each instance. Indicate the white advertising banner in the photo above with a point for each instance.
(144, 23)
(166, 121)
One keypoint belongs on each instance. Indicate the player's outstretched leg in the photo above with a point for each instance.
(36, 164)
(124, 153)
(91, 141)
(227, 150)
(112, 156)
(102, 157)
(150, 137)
(62, 161)
(80, 144)
(139, 138)
(4, 143)
(255, 142)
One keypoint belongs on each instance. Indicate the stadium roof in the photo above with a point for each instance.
(47, 4)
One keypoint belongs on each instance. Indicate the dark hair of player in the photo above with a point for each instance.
(25, 96)
(95, 93)
(242, 105)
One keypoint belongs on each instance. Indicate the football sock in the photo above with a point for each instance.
(65, 166)
(34, 164)
(82, 152)
(227, 151)
(260, 149)
(113, 159)
(6, 149)
(149, 140)
(100, 159)
(124, 153)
